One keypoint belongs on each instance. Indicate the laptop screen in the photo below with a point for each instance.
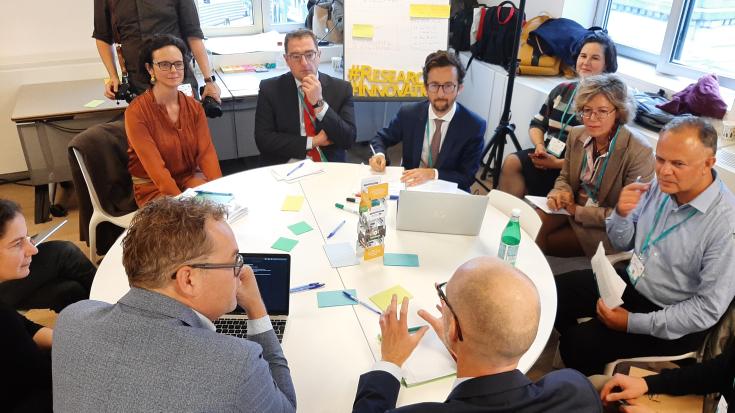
(273, 274)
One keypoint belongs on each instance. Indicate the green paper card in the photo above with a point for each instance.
(382, 299)
(300, 228)
(335, 298)
(284, 244)
(401, 260)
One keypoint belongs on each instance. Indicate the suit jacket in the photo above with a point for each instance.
(461, 149)
(510, 392)
(631, 158)
(149, 352)
(278, 124)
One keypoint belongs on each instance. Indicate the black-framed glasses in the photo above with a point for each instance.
(440, 287)
(446, 87)
(166, 66)
(236, 266)
(296, 57)
(600, 114)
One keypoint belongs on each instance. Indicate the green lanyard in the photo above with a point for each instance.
(313, 122)
(566, 123)
(647, 244)
(430, 164)
(592, 192)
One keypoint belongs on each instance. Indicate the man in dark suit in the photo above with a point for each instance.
(304, 112)
(441, 138)
(490, 315)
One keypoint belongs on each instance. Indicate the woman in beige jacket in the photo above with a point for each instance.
(603, 155)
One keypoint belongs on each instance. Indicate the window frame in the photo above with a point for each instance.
(261, 23)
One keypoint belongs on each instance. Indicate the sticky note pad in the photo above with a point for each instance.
(94, 103)
(382, 299)
(341, 255)
(335, 298)
(430, 11)
(292, 203)
(284, 244)
(401, 260)
(365, 31)
(300, 227)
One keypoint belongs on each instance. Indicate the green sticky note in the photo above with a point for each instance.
(401, 260)
(284, 244)
(335, 298)
(94, 103)
(292, 203)
(300, 227)
(382, 299)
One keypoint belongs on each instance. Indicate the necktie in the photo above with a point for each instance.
(436, 141)
(312, 153)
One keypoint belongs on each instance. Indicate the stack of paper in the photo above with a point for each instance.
(296, 170)
(609, 283)
(395, 186)
(429, 361)
(235, 208)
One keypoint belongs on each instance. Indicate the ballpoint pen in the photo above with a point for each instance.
(362, 303)
(214, 193)
(334, 231)
(306, 287)
(295, 169)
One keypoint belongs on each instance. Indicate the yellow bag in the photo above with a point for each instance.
(532, 61)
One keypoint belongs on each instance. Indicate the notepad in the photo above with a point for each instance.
(335, 298)
(292, 203)
(429, 361)
(540, 203)
(284, 244)
(382, 299)
(94, 103)
(300, 228)
(401, 260)
(341, 255)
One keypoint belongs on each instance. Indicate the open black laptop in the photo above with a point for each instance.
(273, 274)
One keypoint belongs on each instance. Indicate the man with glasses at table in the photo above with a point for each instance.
(303, 112)
(489, 318)
(441, 138)
(157, 349)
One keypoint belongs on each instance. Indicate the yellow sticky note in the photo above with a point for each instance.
(430, 11)
(365, 31)
(292, 203)
(93, 103)
(382, 299)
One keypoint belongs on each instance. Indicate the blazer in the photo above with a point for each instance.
(459, 156)
(150, 353)
(631, 158)
(560, 391)
(278, 123)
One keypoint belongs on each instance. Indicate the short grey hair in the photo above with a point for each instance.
(705, 131)
(613, 88)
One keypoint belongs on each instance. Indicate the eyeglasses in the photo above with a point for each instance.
(236, 266)
(447, 87)
(296, 57)
(20, 243)
(600, 114)
(443, 296)
(166, 66)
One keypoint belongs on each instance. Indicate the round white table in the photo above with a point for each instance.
(328, 348)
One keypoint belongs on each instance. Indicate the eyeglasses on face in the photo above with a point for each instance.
(166, 66)
(296, 57)
(600, 114)
(447, 87)
(441, 290)
(236, 266)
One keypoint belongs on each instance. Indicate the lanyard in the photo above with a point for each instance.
(564, 124)
(647, 244)
(592, 192)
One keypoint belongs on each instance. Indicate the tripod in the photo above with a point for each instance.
(496, 146)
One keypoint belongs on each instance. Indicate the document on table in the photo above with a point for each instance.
(395, 187)
(341, 255)
(540, 202)
(429, 361)
(609, 283)
(292, 171)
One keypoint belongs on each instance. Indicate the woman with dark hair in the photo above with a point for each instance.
(169, 145)
(533, 171)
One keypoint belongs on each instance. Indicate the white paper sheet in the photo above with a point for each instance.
(429, 361)
(540, 202)
(609, 283)
(309, 167)
(341, 255)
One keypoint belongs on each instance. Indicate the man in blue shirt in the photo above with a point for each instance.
(681, 278)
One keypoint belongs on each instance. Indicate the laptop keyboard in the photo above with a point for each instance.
(239, 327)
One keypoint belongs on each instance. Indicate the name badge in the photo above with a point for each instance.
(556, 147)
(591, 203)
(635, 269)
(185, 88)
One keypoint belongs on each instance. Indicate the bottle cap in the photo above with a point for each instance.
(516, 212)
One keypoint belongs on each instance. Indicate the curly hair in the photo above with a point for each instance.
(613, 88)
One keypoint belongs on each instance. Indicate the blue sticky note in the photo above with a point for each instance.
(401, 260)
(335, 298)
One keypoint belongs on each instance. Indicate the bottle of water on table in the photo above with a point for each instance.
(511, 238)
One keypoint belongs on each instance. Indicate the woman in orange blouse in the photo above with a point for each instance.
(169, 145)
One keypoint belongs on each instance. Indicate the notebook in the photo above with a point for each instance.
(441, 212)
(273, 275)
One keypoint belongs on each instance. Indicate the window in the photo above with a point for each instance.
(231, 17)
(680, 37)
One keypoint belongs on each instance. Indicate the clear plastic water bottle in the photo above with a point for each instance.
(511, 238)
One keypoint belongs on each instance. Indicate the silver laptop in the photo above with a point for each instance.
(443, 213)
(273, 275)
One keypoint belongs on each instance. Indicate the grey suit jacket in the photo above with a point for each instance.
(151, 353)
(631, 158)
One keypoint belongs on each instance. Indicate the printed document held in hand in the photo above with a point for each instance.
(296, 170)
(609, 283)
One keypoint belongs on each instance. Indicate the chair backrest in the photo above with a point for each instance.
(505, 202)
(88, 180)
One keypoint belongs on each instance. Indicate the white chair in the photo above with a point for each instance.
(505, 202)
(99, 215)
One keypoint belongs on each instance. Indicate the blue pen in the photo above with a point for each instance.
(362, 303)
(334, 231)
(295, 169)
(214, 193)
(306, 287)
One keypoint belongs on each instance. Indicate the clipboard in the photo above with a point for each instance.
(43, 236)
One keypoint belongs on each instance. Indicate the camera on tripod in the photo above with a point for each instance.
(125, 91)
(211, 108)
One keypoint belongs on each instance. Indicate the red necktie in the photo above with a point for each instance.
(312, 153)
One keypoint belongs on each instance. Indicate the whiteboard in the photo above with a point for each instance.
(385, 47)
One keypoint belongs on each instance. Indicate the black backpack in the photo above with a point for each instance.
(460, 24)
(498, 30)
(647, 114)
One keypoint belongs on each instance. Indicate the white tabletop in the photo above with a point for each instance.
(327, 349)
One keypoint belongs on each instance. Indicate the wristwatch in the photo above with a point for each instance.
(319, 103)
(209, 79)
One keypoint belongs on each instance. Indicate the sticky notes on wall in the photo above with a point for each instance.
(363, 31)
(429, 11)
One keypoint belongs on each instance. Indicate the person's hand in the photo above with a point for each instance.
(377, 162)
(417, 176)
(623, 387)
(630, 196)
(320, 139)
(539, 151)
(248, 294)
(559, 199)
(567, 201)
(613, 318)
(213, 90)
(438, 325)
(111, 87)
(312, 88)
(397, 343)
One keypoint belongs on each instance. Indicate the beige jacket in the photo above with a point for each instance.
(632, 157)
